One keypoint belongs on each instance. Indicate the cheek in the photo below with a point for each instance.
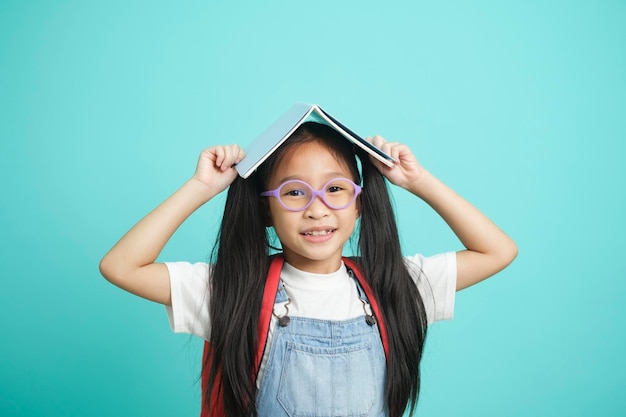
(272, 213)
(351, 217)
(280, 218)
(357, 208)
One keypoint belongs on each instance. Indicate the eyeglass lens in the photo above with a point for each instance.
(336, 194)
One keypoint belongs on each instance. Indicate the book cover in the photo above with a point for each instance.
(267, 142)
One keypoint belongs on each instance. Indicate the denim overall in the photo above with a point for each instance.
(323, 368)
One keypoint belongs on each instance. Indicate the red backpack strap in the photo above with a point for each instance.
(267, 307)
(373, 303)
(216, 409)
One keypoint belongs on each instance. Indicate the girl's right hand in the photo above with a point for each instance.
(216, 167)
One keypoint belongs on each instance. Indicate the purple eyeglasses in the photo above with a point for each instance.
(296, 195)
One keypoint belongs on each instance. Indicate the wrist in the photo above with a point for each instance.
(422, 183)
(198, 190)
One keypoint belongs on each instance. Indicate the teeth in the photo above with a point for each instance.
(318, 233)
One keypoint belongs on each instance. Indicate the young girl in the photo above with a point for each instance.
(345, 336)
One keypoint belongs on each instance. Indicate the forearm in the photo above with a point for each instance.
(143, 243)
(489, 249)
(130, 264)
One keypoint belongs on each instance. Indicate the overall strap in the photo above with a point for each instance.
(216, 408)
(373, 303)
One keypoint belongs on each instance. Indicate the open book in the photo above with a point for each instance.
(267, 142)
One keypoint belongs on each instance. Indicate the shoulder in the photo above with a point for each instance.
(189, 274)
(188, 267)
(431, 266)
(435, 277)
(189, 284)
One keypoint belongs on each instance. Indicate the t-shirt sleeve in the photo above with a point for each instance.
(189, 312)
(435, 277)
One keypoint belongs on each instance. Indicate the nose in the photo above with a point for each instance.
(317, 209)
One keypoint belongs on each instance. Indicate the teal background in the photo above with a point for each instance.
(519, 106)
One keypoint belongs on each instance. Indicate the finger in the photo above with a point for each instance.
(209, 154)
(377, 141)
(220, 155)
(390, 148)
(232, 156)
(240, 154)
(393, 149)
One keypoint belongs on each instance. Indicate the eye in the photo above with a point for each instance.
(293, 193)
(338, 185)
(334, 188)
(293, 190)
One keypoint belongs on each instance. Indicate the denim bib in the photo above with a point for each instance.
(324, 368)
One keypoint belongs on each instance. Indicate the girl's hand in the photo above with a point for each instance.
(488, 249)
(131, 263)
(215, 167)
(406, 170)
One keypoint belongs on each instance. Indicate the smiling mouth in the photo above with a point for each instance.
(319, 232)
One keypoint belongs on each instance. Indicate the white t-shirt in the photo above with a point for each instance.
(324, 296)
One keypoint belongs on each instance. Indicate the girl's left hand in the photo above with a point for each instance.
(406, 169)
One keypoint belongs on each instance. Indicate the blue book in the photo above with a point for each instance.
(267, 142)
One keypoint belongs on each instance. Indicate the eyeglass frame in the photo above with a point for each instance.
(314, 193)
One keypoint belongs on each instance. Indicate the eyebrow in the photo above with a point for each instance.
(329, 176)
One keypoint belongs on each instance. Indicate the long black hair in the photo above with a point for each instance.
(241, 256)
